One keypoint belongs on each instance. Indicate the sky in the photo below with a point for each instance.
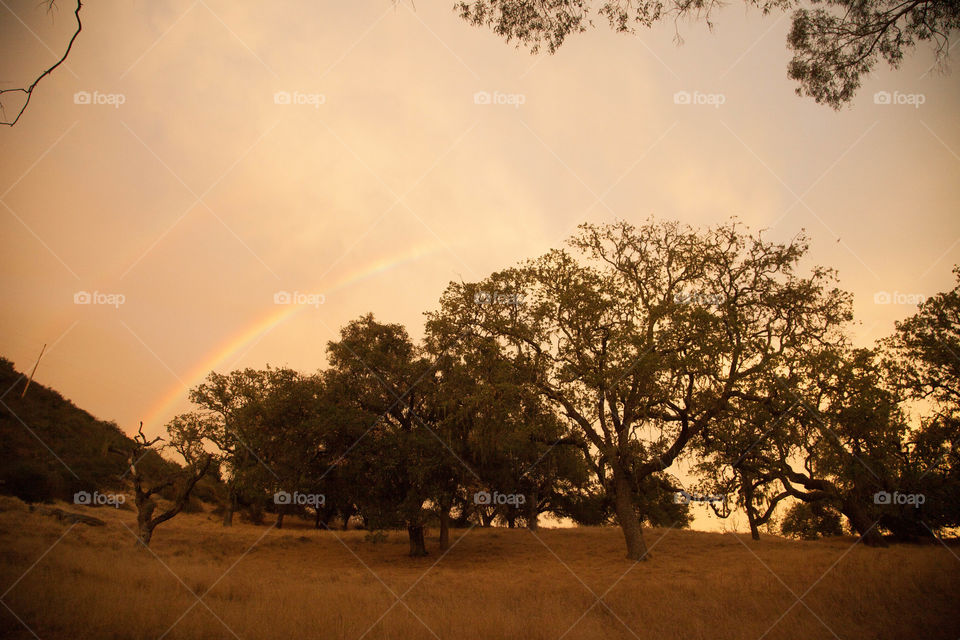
(196, 165)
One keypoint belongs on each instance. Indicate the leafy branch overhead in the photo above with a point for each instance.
(835, 43)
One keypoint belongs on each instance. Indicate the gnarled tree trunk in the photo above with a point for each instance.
(145, 509)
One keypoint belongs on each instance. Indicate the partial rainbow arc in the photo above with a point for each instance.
(160, 414)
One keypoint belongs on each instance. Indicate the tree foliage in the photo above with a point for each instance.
(835, 43)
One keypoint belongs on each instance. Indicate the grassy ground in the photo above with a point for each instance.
(202, 581)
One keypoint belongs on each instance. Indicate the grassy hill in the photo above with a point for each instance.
(260, 582)
(50, 448)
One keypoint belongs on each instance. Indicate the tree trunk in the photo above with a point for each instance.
(347, 514)
(145, 509)
(145, 533)
(255, 512)
(533, 511)
(486, 518)
(144, 529)
(861, 523)
(280, 515)
(747, 488)
(418, 547)
(232, 505)
(445, 528)
(511, 520)
(316, 519)
(754, 529)
(627, 515)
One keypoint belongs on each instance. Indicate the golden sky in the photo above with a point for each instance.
(339, 151)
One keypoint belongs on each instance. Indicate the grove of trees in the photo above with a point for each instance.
(574, 383)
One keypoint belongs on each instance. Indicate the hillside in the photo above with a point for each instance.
(49, 447)
(260, 582)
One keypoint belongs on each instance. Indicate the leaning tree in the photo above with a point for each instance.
(148, 483)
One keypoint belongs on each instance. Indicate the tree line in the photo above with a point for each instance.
(572, 384)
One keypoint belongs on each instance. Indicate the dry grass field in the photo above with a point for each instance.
(201, 581)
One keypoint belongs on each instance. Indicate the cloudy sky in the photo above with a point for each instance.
(194, 160)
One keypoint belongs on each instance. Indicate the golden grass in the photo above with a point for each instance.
(260, 582)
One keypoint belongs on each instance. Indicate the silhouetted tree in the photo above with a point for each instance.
(231, 408)
(381, 373)
(924, 361)
(645, 335)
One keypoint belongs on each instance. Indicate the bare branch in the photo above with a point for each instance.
(28, 91)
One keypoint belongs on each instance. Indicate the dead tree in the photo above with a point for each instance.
(183, 482)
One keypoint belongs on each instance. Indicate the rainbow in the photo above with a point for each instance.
(159, 414)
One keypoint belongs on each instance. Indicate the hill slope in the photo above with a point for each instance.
(49, 447)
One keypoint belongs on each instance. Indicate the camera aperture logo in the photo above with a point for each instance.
(96, 98)
(682, 497)
(494, 297)
(299, 499)
(699, 98)
(497, 498)
(896, 297)
(299, 298)
(97, 499)
(899, 98)
(897, 498)
(699, 298)
(499, 98)
(96, 297)
(300, 98)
